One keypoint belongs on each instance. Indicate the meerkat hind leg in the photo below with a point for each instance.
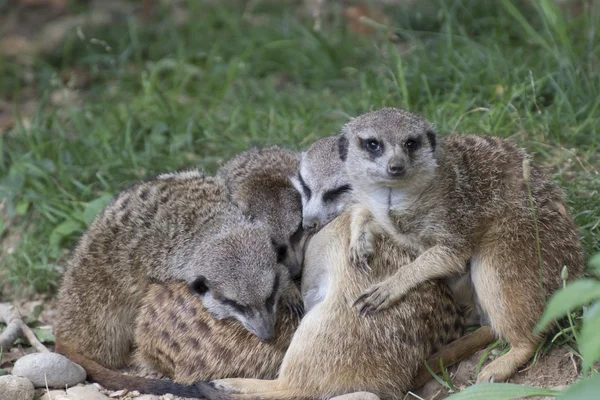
(512, 301)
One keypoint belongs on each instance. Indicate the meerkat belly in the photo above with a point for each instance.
(391, 211)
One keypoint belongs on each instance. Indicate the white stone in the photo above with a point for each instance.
(85, 393)
(51, 369)
(16, 387)
(56, 395)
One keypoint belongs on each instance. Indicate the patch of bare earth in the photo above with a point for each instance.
(557, 369)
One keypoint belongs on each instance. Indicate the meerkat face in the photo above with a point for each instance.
(242, 280)
(322, 184)
(389, 147)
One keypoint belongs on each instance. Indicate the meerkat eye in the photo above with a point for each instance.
(372, 145)
(412, 144)
(331, 195)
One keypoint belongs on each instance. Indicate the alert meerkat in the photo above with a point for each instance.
(177, 227)
(453, 200)
(259, 183)
(335, 351)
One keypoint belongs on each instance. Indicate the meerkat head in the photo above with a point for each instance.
(258, 181)
(389, 147)
(241, 278)
(322, 183)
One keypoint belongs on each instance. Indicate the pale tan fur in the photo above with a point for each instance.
(335, 351)
(462, 199)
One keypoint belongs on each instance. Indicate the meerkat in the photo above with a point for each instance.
(192, 346)
(177, 227)
(457, 199)
(335, 351)
(176, 336)
(322, 183)
(258, 180)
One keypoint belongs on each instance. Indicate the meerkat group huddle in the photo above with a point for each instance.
(398, 238)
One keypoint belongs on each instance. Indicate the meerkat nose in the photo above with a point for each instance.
(311, 226)
(395, 170)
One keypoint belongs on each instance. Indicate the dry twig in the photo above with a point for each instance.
(16, 328)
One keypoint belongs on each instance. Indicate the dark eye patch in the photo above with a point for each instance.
(305, 188)
(372, 145)
(270, 302)
(412, 144)
(333, 194)
(236, 306)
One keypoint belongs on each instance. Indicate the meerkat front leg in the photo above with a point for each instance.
(437, 262)
(362, 237)
(292, 298)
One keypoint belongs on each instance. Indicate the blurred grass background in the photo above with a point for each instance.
(103, 94)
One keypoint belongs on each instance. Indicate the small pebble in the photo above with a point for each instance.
(16, 388)
(148, 397)
(50, 369)
(56, 395)
(85, 393)
(118, 393)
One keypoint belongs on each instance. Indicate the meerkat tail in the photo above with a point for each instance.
(455, 352)
(113, 380)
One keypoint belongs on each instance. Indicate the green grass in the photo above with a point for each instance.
(165, 97)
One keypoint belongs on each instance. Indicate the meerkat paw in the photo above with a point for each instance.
(292, 298)
(360, 252)
(228, 385)
(495, 372)
(377, 298)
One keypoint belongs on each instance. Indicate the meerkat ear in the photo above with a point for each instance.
(343, 147)
(296, 183)
(199, 285)
(431, 138)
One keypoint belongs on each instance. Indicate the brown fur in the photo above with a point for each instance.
(335, 351)
(179, 226)
(259, 183)
(465, 199)
(176, 336)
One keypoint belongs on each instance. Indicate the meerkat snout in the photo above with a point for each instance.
(395, 169)
(311, 224)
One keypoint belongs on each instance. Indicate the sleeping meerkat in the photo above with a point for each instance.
(176, 336)
(322, 183)
(453, 200)
(335, 351)
(259, 185)
(177, 227)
